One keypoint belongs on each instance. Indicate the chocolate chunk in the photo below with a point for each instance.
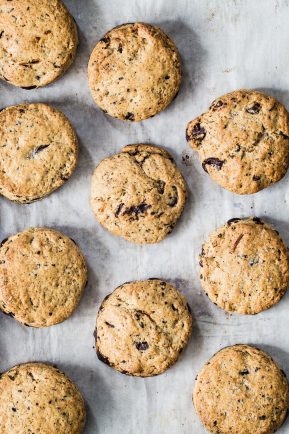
(215, 162)
(257, 221)
(198, 133)
(254, 109)
(233, 220)
(36, 151)
(142, 346)
(217, 104)
(160, 186)
(29, 87)
(118, 210)
(256, 178)
(119, 48)
(173, 198)
(283, 135)
(244, 372)
(129, 116)
(137, 209)
(262, 417)
(105, 39)
(3, 242)
(102, 358)
(237, 241)
(109, 325)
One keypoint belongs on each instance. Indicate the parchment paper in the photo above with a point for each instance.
(224, 45)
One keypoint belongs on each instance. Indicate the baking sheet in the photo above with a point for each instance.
(224, 45)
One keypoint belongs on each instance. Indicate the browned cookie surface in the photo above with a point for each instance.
(242, 141)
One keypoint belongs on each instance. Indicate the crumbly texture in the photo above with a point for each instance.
(142, 327)
(241, 390)
(42, 277)
(138, 194)
(244, 266)
(38, 41)
(36, 398)
(242, 141)
(38, 151)
(134, 71)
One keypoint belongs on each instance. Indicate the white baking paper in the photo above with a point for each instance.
(225, 45)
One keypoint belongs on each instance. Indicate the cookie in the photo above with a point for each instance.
(134, 71)
(38, 151)
(244, 266)
(138, 194)
(142, 327)
(242, 141)
(241, 390)
(42, 277)
(37, 398)
(38, 41)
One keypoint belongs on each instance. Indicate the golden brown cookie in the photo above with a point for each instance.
(241, 390)
(134, 71)
(142, 327)
(242, 141)
(38, 41)
(244, 266)
(36, 398)
(42, 277)
(38, 151)
(138, 194)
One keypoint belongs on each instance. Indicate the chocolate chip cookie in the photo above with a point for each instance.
(142, 327)
(242, 141)
(244, 266)
(134, 71)
(241, 390)
(38, 398)
(138, 194)
(42, 277)
(38, 151)
(38, 41)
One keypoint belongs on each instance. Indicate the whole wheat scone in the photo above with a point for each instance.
(138, 194)
(241, 390)
(134, 71)
(42, 277)
(38, 151)
(38, 41)
(242, 141)
(36, 398)
(142, 327)
(244, 266)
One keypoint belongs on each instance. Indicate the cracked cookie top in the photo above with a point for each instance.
(138, 194)
(244, 266)
(242, 141)
(42, 277)
(134, 71)
(38, 151)
(241, 390)
(38, 398)
(38, 41)
(142, 327)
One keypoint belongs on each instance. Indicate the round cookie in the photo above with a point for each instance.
(242, 141)
(42, 277)
(38, 151)
(241, 390)
(244, 266)
(134, 71)
(138, 194)
(38, 398)
(142, 327)
(38, 41)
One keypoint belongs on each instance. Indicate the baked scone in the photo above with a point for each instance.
(142, 327)
(38, 151)
(138, 194)
(42, 277)
(38, 41)
(244, 266)
(37, 398)
(134, 71)
(242, 141)
(241, 390)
